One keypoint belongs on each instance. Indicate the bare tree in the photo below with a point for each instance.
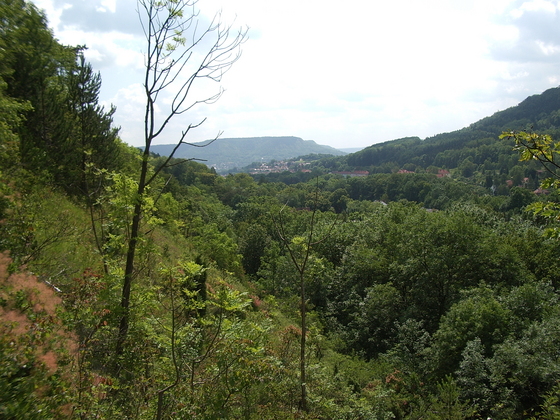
(300, 261)
(181, 52)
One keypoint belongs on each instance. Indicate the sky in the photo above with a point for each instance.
(344, 74)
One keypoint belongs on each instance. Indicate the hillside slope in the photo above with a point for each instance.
(479, 140)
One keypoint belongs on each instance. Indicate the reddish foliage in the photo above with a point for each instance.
(256, 301)
(29, 322)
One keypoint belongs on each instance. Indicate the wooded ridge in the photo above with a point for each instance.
(477, 143)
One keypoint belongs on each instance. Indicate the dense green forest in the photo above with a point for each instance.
(297, 295)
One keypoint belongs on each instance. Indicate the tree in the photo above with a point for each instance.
(174, 44)
(446, 403)
(299, 250)
(93, 144)
(479, 315)
(11, 119)
(33, 66)
(546, 151)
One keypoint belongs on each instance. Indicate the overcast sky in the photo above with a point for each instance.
(343, 73)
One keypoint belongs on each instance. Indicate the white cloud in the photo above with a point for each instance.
(130, 102)
(535, 6)
(548, 48)
(110, 5)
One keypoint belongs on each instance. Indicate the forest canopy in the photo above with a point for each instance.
(424, 289)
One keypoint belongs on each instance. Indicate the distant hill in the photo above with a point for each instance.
(229, 153)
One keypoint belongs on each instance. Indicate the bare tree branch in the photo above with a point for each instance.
(301, 267)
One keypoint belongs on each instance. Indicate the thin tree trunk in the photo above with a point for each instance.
(129, 268)
(303, 379)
